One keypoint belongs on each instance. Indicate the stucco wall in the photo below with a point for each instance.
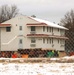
(10, 40)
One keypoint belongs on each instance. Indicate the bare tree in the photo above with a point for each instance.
(7, 12)
(68, 21)
(33, 16)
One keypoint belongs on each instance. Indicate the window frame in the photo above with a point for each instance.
(50, 29)
(50, 40)
(20, 41)
(43, 40)
(58, 29)
(43, 28)
(33, 28)
(8, 29)
(47, 40)
(58, 41)
(33, 40)
(47, 29)
(20, 27)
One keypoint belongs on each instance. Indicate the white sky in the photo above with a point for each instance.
(52, 10)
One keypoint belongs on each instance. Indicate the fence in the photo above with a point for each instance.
(38, 52)
(69, 44)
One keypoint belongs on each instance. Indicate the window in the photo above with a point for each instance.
(47, 29)
(62, 32)
(62, 41)
(43, 40)
(33, 40)
(43, 28)
(47, 40)
(58, 29)
(52, 29)
(32, 28)
(20, 28)
(20, 41)
(8, 29)
(58, 41)
(50, 41)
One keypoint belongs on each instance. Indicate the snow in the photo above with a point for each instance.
(49, 23)
(37, 69)
(53, 68)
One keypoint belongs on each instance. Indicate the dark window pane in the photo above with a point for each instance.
(43, 40)
(43, 28)
(33, 40)
(20, 41)
(47, 29)
(52, 29)
(50, 41)
(32, 28)
(8, 29)
(20, 28)
(47, 41)
(58, 29)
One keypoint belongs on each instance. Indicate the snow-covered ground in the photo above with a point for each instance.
(37, 68)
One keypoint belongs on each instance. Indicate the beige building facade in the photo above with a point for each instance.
(23, 32)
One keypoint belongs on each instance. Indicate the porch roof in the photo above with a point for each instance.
(46, 35)
(5, 25)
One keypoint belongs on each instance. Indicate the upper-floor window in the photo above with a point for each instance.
(43, 28)
(8, 29)
(32, 28)
(47, 29)
(58, 29)
(62, 32)
(20, 28)
(52, 29)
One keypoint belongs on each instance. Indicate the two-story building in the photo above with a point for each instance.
(23, 32)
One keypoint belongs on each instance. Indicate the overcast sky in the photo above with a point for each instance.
(52, 10)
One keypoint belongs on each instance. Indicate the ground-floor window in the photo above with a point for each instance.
(33, 40)
(20, 41)
(43, 40)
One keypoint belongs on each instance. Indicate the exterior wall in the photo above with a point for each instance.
(47, 45)
(40, 44)
(39, 30)
(10, 40)
(58, 45)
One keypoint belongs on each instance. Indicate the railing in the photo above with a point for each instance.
(33, 32)
(33, 45)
